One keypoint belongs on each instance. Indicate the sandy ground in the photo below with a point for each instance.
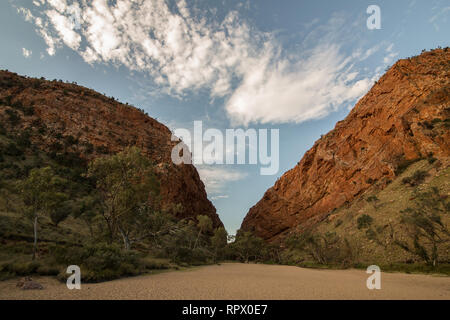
(244, 281)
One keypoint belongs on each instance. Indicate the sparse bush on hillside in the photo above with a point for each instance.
(323, 249)
(23, 139)
(403, 164)
(373, 199)
(377, 234)
(436, 120)
(364, 221)
(2, 130)
(11, 149)
(13, 116)
(70, 140)
(425, 228)
(89, 147)
(102, 149)
(431, 160)
(338, 223)
(417, 178)
(427, 124)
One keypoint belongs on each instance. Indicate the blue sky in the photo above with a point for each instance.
(297, 66)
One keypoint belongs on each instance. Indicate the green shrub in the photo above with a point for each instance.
(60, 214)
(427, 125)
(13, 116)
(70, 140)
(12, 150)
(23, 139)
(431, 160)
(364, 221)
(372, 198)
(48, 269)
(436, 120)
(403, 164)
(154, 264)
(99, 262)
(28, 111)
(371, 234)
(417, 178)
(20, 268)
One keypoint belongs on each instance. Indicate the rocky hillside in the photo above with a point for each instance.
(72, 121)
(403, 118)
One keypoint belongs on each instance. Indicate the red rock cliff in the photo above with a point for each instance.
(101, 125)
(404, 116)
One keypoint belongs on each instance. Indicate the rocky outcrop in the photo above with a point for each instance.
(83, 122)
(28, 284)
(405, 116)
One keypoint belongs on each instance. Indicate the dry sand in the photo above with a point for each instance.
(244, 281)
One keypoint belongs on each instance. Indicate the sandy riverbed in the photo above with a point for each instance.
(244, 281)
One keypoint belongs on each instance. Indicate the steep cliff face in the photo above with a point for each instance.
(405, 116)
(76, 120)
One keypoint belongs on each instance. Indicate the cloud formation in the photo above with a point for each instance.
(296, 92)
(216, 178)
(26, 53)
(186, 52)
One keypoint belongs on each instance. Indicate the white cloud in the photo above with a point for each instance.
(221, 196)
(59, 5)
(390, 48)
(26, 53)
(185, 52)
(439, 17)
(64, 27)
(296, 92)
(26, 14)
(390, 54)
(215, 178)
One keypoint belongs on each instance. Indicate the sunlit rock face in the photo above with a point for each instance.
(404, 116)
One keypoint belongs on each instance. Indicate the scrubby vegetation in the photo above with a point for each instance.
(401, 228)
(425, 227)
(311, 247)
(417, 178)
(364, 221)
(103, 216)
(57, 209)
